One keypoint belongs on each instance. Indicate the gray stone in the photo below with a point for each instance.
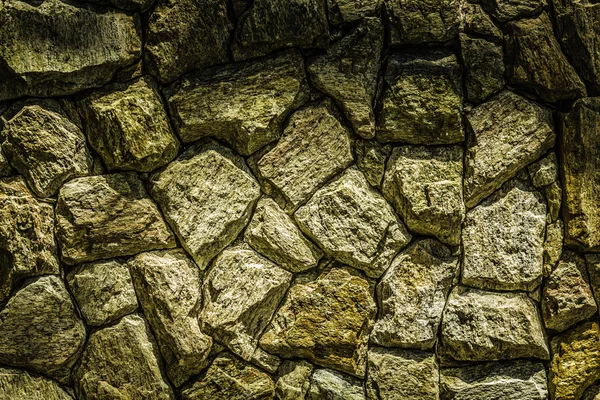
(509, 10)
(17, 384)
(477, 22)
(293, 382)
(371, 157)
(545, 171)
(484, 67)
(332, 385)
(553, 245)
(348, 11)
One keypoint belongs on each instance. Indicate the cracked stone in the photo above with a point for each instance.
(294, 380)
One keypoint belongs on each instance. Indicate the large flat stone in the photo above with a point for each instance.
(19, 384)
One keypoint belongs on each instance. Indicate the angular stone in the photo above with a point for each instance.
(332, 385)
(41, 330)
(348, 73)
(207, 195)
(334, 312)
(503, 240)
(103, 290)
(274, 234)
(593, 268)
(508, 133)
(44, 53)
(122, 362)
(512, 380)
(509, 10)
(476, 21)
(354, 224)
(412, 295)
(168, 286)
(5, 168)
(27, 246)
(18, 384)
(484, 326)
(348, 11)
(425, 186)
(128, 126)
(45, 147)
(229, 378)
(484, 67)
(421, 102)
(553, 245)
(244, 104)
(108, 216)
(402, 375)
(293, 382)
(545, 171)
(314, 147)
(554, 194)
(536, 62)
(270, 25)
(575, 363)
(371, 158)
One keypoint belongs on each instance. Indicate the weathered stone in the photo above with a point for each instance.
(293, 382)
(108, 216)
(477, 22)
(5, 168)
(348, 73)
(103, 290)
(402, 375)
(513, 380)
(484, 326)
(314, 147)
(553, 245)
(347, 11)
(270, 25)
(371, 157)
(122, 362)
(354, 224)
(567, 297)
(43, 52)
(207, 195)
(45, 147)
(503, 239)
(229, 378)
(332, 385)
(412, 295)
(244, 104)
(422, 101)
(575, 361)
(508, 133)
(593, 268)
(40, 329)
(536, 62)
(554, 194)
(16, 384)
(545, 171)
(273, 233)
(168, 286)
(425, 186)
(484, 67)
(27, 246)
(592, 393)
(184, 35)
(509, 10)
(128, 126)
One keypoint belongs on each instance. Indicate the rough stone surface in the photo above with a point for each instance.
(347, 11)
(294, 380)
(509, 10)
(593, 268)
(553, 245)
(5, 168)
(545, 171)
(371, 158)
(332, 385)
(554, 194)
(18, 384)
(484, 65)
(478, 22)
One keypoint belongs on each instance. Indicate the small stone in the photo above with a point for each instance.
(207, 195)
(545, 171)
(412, 295)
(508, 133)
(553, 245)
(425, 186)
(371, 158)
(484, 67)
(103, 290)
(485, 326)
(422, 102)
(354, 224)
(108, 216)
(348, 11)
(128, 126)
(332, 385)
(509, 10)
(477, 22)
(18, 384)
(41, 330)
(243, 104)
(593, 267)
(554, 194)
(293, 382)
(5, 168)
(274, 234)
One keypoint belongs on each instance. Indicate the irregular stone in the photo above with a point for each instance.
(553, 245)
(545, 171)
(508, 133)
(593, 268)
(108, 216)
(229, 378)
(128, 126)
(575, 363)
(509, 10)
(477, 22)
(536, 62)
(17, 384)
(5, 168)
(332, 385)
(207, 195)
(41, 330)
(554, 194)
(103, 290)
(44, 54)
(371, 158)
(184, 35)
(45, 147)
(425, 186)
(27, 246)
(334, 312)
(274, 234)
(348, 73)
(348, 11)
(503, 240)
(354, 224)
(270, 25)
(421, 102)
(484, 67)
(293, 382)
(122, 362)
(244, 104)
(168, 286)
(314, 147)
(567, 297)
(402, 375)
(513, 380)
(484, 326)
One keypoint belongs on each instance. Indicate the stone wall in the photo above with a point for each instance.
(299, 199)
